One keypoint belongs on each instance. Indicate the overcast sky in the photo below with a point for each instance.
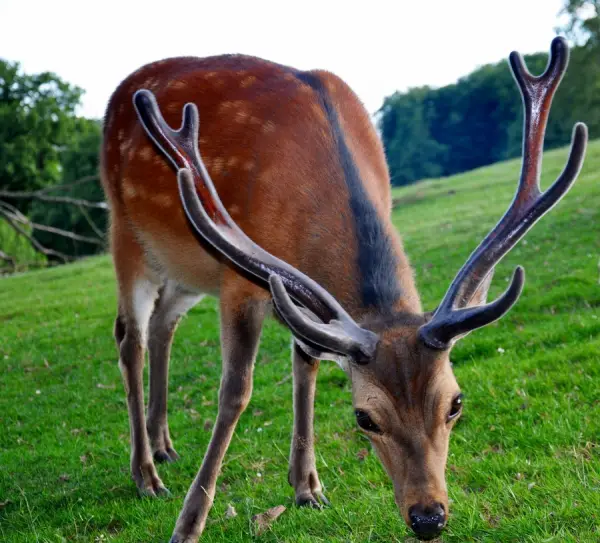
(377, 47)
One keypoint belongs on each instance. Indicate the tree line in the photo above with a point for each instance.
(49, 158)
(51, 205)
(432, 132)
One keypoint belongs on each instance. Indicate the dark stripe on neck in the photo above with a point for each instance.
(377, 261)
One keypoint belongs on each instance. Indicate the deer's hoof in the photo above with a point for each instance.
(165, 455)
(316, 500)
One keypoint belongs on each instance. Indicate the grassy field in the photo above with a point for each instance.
(524, 463)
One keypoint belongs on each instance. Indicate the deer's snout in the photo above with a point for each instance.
(427, 521)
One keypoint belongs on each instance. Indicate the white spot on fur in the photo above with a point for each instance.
(146, 153)
(231, 104)
(241, 116)
(248, 81)
(162, 199)
(151, 83)
(269, 126)
(125, 147)
(129, 190)
(218, 163)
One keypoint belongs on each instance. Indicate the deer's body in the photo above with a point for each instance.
(270, 146)
(290, 202)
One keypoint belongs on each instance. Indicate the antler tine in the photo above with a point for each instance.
(529, 203)
(326, 335)
(211, 221)
(461, 321)
(537, 93)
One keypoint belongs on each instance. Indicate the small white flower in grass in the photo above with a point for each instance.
(259, 429)
(500, 350)
(258, 474)
(231, 512)
(38, 391)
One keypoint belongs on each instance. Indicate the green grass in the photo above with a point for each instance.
(524, 463)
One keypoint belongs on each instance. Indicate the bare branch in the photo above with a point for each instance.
(82, 181)
(17, 216)
(13, 211)
(91, 222)
(42, 195)
(65, 233)
(56, 199)
(7, 258)
(34, 242)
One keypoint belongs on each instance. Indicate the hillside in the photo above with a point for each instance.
(524, 460)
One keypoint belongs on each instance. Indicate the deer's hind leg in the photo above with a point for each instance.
(174, 302)
(138, 291)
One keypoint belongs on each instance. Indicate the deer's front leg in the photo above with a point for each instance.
(240, 333)
(174, 302)
(303, 472)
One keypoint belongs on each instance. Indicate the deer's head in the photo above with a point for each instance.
(405, 396)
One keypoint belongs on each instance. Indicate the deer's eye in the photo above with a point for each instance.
(365, 422)
(455, 408)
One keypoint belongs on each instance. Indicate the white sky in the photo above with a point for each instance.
(377, 47)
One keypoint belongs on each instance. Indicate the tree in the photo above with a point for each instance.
(479, 119)
(79, 162)
(583, 26)
(411, 151)
(37, 119)
(44, 144)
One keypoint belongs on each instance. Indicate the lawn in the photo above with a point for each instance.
(524, 460)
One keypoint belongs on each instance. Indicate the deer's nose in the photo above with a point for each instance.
(427, 521)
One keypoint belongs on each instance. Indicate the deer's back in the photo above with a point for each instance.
(267, 141)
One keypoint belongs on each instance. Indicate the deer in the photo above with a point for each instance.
(282, 208)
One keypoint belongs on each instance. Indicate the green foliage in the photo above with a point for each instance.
(411, 150)
(478, 120)
(19, 249)
(44, 143)
(37, 118)
(583, 26)
(524, 463)
(80, 160)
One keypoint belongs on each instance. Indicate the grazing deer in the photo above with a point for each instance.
(289, 209)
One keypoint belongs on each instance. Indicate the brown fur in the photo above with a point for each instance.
(270, 152)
